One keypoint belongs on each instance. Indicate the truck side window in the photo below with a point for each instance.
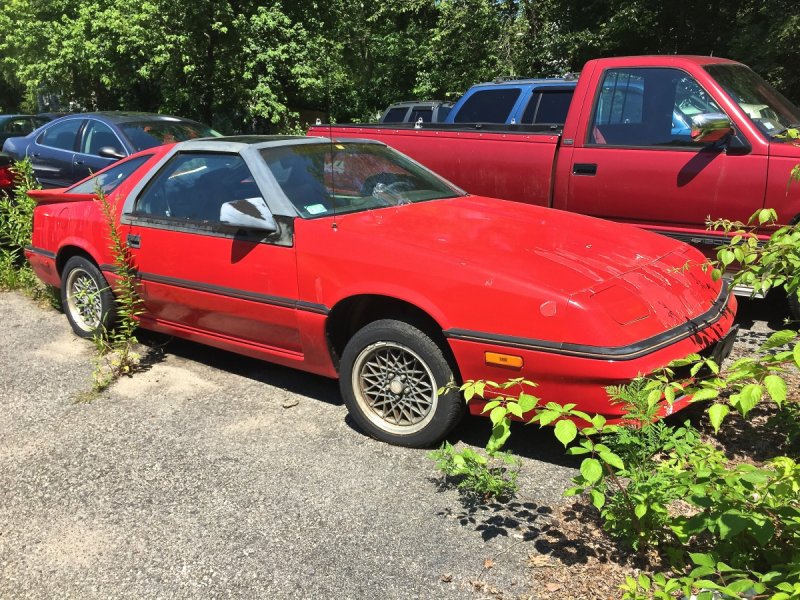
(645, 107)
(421, 112)
(547, 106)
(488, 106)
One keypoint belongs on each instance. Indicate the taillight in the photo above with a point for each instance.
(6, 177)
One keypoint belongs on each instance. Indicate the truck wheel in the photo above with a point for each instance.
(86, 297)
(389, 378)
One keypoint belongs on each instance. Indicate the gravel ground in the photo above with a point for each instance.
(213, 475)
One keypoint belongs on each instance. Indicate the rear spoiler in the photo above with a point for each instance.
(58, 195)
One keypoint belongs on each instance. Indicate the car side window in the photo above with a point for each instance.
(547, 107)
(61, 135)
(192, 187)
(19, 126)
(646, 107)
(98, 135)
(488, 106)
(110, 179)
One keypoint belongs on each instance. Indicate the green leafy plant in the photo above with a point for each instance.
(484, 476)
(764, 264)
(16, 228)
(115, 346)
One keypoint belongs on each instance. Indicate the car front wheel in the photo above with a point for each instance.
(86, 297)
(390, 376)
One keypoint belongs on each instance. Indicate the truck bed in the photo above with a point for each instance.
(527, 154)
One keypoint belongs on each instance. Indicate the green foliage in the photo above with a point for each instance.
(16, 227)
(765, 264)
(257, 65)
(115, 347)
(491, 476)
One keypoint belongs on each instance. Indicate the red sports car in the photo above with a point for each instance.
(347, 259)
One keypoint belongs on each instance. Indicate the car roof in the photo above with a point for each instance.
(417, 103)
(237, 143)
(120, 116)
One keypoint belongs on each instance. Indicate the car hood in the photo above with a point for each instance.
(534, 261)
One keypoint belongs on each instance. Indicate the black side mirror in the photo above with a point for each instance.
(111, 152)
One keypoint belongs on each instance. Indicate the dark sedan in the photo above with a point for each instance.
(68, 149)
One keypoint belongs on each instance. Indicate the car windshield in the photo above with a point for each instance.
(148, 134)
(327, 178)
(766, 107)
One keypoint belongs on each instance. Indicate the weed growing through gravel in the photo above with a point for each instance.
(115, 345)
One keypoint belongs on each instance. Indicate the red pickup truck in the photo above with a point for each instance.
(662, 142)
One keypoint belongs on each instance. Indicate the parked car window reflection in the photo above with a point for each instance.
(148, 134)
(98, 135)
(110, 178)
(61, 135)
(193, 187)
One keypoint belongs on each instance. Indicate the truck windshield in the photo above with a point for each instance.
(764, 105)
(342, 177)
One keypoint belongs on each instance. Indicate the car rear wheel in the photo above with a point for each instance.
(86, 297)
(390, 376)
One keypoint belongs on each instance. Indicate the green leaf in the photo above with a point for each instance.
(527, 402)
(776, 388)
(749, 397)
(612, 459)
(796, 354)
(716, 414)
(598, 498)
(779, 338)
(592, 470)
(704, 394)
(565, 431)
(640, 510)
(702, 560)
(515, 409)
(731, 524)
(548, 416)
(498, 414)
(490, 406)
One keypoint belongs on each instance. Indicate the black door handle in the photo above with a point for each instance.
(584, 169)
(134, 241)
(78, 162)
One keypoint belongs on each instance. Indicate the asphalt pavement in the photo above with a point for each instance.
(212, 475)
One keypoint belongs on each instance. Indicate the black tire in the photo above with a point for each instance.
(389, 378)
(86, 298)
(794, 305)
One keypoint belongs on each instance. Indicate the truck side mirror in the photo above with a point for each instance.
(711, 127)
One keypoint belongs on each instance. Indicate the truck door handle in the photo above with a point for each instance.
(584, 169)
(134, 241)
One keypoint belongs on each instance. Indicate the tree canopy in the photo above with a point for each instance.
(253, 66)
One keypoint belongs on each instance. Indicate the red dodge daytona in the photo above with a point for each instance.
(349, 260)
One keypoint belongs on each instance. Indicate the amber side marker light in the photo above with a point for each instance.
(503, 360)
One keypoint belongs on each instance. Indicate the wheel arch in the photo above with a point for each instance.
(354, 312)
(68, 251)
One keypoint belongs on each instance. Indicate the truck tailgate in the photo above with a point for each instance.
(508, 165)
